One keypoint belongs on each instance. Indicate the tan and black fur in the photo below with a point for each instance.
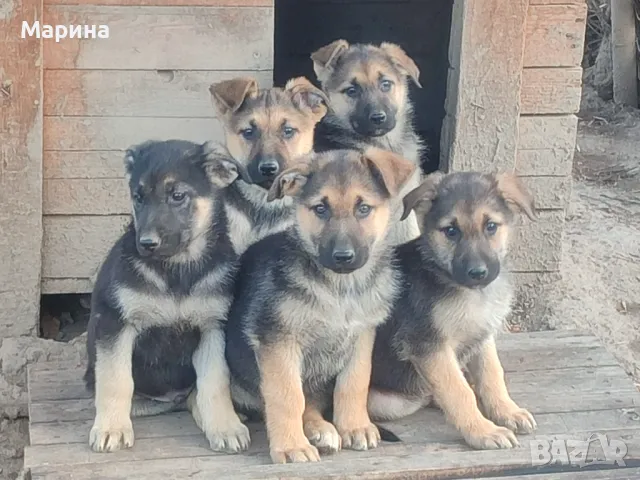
(455, 298)
(266, 130)
(368, 91)
(308, 300)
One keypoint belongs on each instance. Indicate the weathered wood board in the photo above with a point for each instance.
(567, 379)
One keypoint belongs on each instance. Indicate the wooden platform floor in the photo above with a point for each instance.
(573, 386)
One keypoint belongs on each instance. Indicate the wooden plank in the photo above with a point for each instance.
(392, 461)
(623, 53)
(20, 171)
(157, 93)
(557, 2)
(546, 145)
(66, 285)
(119, 133)
(480, 130)
(550, 90)
(609, 474)
(83, 164)
(86, 197)
(143, 38)
(75, 246)
(166, 3)
(555, 35)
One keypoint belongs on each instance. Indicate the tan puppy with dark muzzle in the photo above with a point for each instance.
(368, 91)
(308, 300)
(455, 299)
(266, 130)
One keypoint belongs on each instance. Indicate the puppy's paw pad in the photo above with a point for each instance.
(109, 438)
(518, 420)
(233, 439)
(492, 437)
(364, 438)
(323, 436)
(297, 454)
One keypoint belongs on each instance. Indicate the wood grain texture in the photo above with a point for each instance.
(555, 35)
(75, 246)
(150, 93)
(550, 90)
(86, 197)
(83, 164)
(143, 38)
(483, 101)
(623, 53)
(66, 285)
(546, 145)
(166, 3)
(119, 133)
(20, 170)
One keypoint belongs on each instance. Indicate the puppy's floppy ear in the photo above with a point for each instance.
(402, 61)
(518, 198)
(421, 197)
(306, 96)
(324, 58)
(229, 95)
(290, 181)
(391, 170)
(221, 168)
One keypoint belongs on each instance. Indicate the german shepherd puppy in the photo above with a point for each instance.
(266, 131)
(454, 300)
(161, 298)
(368, 92)
(332, 281)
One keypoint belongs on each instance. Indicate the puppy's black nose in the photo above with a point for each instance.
(378, 118)
(477, 273)
(149, 243)
(344, 256)
(268, 168)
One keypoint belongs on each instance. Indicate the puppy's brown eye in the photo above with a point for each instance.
(351, 91)
(178, 197)
(385, 85)
(248, 133)
(451, 232)
(364, 210)
(320, 210)
(491, 228)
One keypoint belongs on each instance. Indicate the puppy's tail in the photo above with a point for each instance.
(387, 435)
(147, 407)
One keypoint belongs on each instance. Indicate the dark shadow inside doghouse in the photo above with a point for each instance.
(64, 317)
(421, 27)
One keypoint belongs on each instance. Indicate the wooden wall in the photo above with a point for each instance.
(149, 80)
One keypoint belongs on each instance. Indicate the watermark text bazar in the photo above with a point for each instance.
(579, 453)
(58, 32)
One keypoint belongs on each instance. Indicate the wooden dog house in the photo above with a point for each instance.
(506, 93)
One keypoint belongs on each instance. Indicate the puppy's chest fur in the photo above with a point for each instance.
(465, 318)
(250, 217)
(328, 319)
(154, 300)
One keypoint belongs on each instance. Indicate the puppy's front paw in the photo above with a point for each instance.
(109, 436)
(300, 452)
(229, 438)
(323, 435)
(516, 419)
(490, 436)
(364, 438)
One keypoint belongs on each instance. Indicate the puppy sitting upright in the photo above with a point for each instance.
(368, 93)
(308, 301)
(162, 295)
(266, 130)
(455, 298)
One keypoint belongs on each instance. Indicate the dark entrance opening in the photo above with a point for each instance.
(421, 27)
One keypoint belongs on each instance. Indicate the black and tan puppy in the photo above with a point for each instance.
(455, 298)
(161, 298)
(308, 301)
(266, 130)
(368, 91)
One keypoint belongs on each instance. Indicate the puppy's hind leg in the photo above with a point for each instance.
(487, 374)
(212, 408)
(112, 427)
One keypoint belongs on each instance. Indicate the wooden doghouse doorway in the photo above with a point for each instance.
(421, 27)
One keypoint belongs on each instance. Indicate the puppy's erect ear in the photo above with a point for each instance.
(421, 197)
(129, 161)
(402, 61)
(222, 170)
(391, 170)
(229, 95)
(518, 198)
(306, 96)
(324, 58)
(289, 182)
